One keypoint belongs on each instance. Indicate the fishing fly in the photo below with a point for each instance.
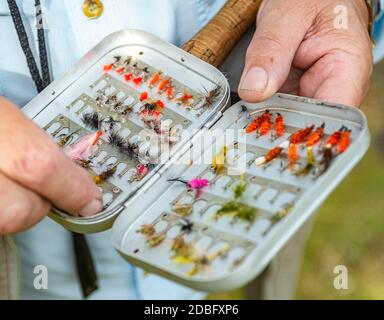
(153, 238)
(300, 136)
(66, 138)
(316, 136)
(84, 148)
(183, 209)
(92, 120)
(271, 155)
(309, 165)
(105, 175)
(279, 127)
(255, 124)
(293, 156)
(196, 184)
(265, 125)
(140, 173)
(237, 209)
(185, 253)
(219, 161)
(345, 141)
(156, 77)
(243, 114)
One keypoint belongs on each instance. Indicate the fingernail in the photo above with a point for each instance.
(93, 207)
(256, 79)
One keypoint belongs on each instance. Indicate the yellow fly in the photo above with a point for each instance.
(219, 161)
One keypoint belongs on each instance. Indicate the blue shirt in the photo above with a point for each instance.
(69, 35)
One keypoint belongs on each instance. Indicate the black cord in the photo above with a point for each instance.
(84, 263)
(23, 38)
(42, 46)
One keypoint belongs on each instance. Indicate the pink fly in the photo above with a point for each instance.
(83, 148)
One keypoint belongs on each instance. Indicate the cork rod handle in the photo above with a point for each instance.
(216, 40)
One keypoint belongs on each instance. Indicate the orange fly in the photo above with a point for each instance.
(292, 156)
(300, 135)
(335, 137)
(108, 67)
(270, 156)
(273, 154)
(255, 123)
(279, 126)
(316, 136)
(345, 141)
(266, 124)
(169, 93)
(155, 79)
(163, 85)
(185, 98)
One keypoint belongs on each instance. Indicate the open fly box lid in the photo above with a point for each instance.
(109, 84)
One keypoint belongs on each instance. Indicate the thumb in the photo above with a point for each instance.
(280, 29)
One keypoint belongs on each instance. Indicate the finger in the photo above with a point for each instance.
(337, 78)
(33, 160)
(280, 30)
(292, 84)
(20, 208)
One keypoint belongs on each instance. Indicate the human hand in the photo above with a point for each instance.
(35, 174)
(298, 48)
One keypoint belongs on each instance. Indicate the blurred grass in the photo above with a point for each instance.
(349, 228)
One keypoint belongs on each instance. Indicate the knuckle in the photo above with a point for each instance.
(85, 195)
(267, 40)
(85, 190)
(37, 165)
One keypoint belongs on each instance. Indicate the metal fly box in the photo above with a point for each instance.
(211, 225)
(121, 86)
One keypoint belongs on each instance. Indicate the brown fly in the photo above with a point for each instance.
(105, 175)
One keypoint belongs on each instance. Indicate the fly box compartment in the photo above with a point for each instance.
(123, 111)
(202, 196)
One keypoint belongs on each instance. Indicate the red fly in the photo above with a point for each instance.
(143, 96)
(185, 98)
(128, 76)
(137, 81)
(120, 70)
(160, 104)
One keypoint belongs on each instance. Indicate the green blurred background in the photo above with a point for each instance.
(349, 228)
